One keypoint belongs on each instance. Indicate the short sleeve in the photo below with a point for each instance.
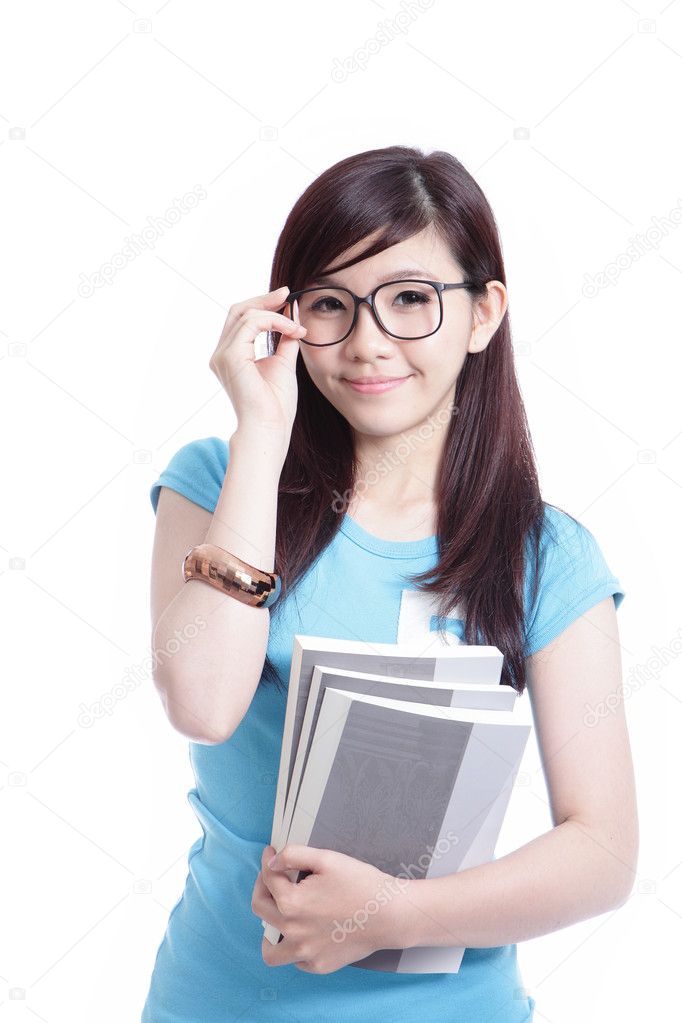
(197, 471)
(573, 577)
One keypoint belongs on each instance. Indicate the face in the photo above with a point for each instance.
(428, 367)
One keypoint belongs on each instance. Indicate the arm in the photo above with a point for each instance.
(207, 682)
(586, 864)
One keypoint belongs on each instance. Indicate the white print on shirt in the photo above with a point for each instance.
(416, 609)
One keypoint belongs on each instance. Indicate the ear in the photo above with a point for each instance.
(487, 315)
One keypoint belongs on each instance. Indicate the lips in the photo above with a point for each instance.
(375, 385)
(371, 380)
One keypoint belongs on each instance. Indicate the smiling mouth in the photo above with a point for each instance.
(375, 386)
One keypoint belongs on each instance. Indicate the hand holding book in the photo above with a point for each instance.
(343, 910)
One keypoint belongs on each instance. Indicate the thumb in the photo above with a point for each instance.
(288, 349)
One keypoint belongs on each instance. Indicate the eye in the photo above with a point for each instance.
(417, 297)
(327, 304)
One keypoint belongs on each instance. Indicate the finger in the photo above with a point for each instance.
(261, 881)
(269, 300)
(300, 857)
(264, 906)
(257, 321)
(288, 349)
(272, 317)
(289, 352)
(278, 883)
(279, 954)
(275, 883)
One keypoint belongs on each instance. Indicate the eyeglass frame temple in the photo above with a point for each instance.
(369, 299)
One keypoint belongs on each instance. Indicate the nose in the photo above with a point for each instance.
(367, 339)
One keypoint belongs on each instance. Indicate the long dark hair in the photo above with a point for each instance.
(490, 512)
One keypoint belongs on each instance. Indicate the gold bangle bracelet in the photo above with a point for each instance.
(229, 574)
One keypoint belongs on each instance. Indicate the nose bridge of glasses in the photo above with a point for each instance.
(372, 313)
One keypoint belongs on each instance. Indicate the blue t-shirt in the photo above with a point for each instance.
(209, 966)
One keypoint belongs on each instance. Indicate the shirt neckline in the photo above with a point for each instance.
(387, 548)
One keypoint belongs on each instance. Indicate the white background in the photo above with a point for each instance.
(568, 117)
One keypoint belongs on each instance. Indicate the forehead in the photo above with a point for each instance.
(424, 254)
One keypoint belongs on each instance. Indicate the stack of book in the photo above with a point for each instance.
(401, 757)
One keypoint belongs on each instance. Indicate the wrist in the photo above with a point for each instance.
(260, 443)
(400, 914)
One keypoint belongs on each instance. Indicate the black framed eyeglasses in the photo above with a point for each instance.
(405, 313)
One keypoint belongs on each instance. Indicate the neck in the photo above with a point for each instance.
(399, 472)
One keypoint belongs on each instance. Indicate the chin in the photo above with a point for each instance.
(375, 425)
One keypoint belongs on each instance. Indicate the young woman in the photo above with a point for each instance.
(357, 496)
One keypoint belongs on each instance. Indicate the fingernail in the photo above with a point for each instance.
(271, 862)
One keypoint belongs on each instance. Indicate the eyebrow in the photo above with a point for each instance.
(395, 275)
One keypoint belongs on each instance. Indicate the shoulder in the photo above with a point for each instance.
(196, 470)
(564, 540)
(573, 576)
(562, 533)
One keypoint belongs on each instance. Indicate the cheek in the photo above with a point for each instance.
(445, 359)
(433, 364)
(320, 366)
